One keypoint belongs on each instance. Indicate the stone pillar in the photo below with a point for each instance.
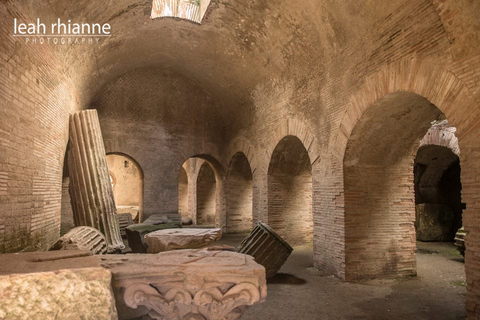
(91, 191)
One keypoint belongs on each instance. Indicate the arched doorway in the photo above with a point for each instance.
(380, 238)
(183, 194)
(290, 191)
(127, 183)
(438, 203)
(239, 194)
(206, 195)
(201, 198)
(67, 221)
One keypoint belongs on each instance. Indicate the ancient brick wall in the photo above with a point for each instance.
(66, 217)
(206, 195)
(127, 184)
(35, 100)
(239, 194)
(290, 191)
(166, 128)
(311, 71)
(183, 194)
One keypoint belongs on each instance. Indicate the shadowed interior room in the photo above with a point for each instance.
(221, 159)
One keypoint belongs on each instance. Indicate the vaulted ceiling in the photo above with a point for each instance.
(240, 47)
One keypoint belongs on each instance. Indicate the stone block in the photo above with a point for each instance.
(267, 247)
(185, 238)
(156, 219)
(136, 233)
(55, 285)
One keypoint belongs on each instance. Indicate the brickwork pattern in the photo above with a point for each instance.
(206, 195)
(36, 97)
(318, 93)
(183, 195)
(239, 194)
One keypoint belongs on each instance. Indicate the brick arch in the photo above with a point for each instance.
(219, 172)
(292, 127)
(452, 97)
(126, 155)
(441, 87)
(131, 187)
(207, 151)
(241, 144)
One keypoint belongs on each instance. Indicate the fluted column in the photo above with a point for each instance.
(91, 191)
(82, 238)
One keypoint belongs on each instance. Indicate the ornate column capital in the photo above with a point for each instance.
(187, 284)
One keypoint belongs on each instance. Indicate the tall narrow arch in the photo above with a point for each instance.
(239, 194)
(127, 184)
(290, 191)
(183, 194)
(379, 189)
(206, 195)
(66, 218)
(202, 185)
(438, 205)
(447, 92)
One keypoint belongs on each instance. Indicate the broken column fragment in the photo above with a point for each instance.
(267, 247)
(124, 220)
(82, 238)
(91, 191)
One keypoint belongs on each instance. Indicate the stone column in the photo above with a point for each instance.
(91, 191)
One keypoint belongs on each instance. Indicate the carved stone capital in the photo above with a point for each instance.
(188, 284)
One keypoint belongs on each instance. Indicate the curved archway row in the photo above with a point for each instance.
(201, 191)
(285, 184)
(373, 157)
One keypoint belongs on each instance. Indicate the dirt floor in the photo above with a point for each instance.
(300, 292)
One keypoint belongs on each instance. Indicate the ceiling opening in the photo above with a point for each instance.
(192, 10)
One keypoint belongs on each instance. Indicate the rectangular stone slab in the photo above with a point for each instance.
(44, 285)
(185, 238)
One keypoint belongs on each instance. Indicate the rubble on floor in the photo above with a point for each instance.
(267, 247)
